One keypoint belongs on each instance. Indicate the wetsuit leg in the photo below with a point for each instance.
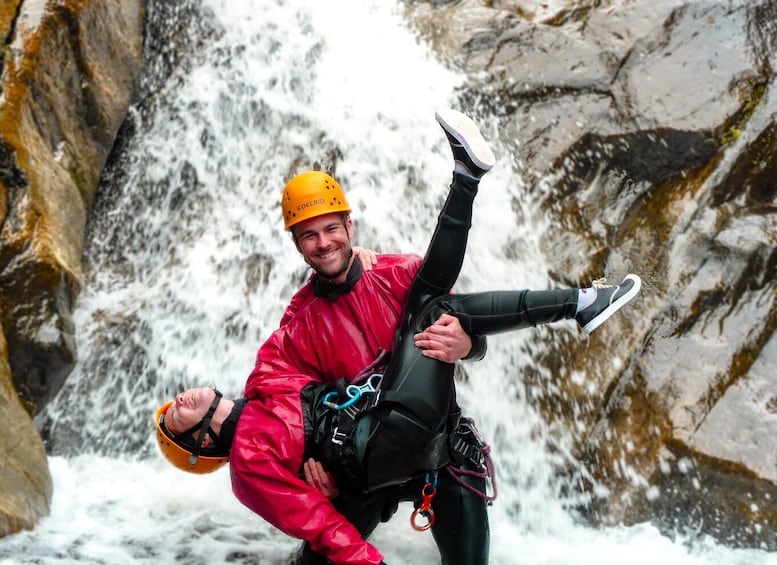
(435, 278)
(445, 254)
(461, 529)
(480, 313)
(488, 313)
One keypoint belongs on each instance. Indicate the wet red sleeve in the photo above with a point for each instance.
(264, 478)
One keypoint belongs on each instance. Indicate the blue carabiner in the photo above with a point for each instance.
(329, 404)
(354, 392)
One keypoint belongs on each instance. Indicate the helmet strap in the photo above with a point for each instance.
(204, 426)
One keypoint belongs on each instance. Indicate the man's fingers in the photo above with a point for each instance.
(367, 257)
(323, 476)
(445, 340)
(445, 325)
(314, 473)
(435, 354)
(317, 477)
(308, 472)
(429, 338)
(446, 320)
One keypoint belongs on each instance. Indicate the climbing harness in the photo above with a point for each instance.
(410, 445)
(424, 510)
(480, 453)
(332, 423)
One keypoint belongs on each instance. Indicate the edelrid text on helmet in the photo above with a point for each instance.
(180, 455)
(311, 194)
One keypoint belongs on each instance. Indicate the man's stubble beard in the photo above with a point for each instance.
(342, 270)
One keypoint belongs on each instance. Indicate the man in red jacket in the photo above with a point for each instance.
(341, 321)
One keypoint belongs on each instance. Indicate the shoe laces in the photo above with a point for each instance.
(602, 283)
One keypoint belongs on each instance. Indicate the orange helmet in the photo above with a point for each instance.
(312, 194)
(189, 458)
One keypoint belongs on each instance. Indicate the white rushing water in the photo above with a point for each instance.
(189, 270)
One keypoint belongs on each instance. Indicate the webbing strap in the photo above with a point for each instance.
(421, 409)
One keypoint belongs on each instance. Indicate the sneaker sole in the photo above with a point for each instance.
(615, 306)
(467, 133)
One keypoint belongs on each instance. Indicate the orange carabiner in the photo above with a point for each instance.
(428, 514)
(425, 509)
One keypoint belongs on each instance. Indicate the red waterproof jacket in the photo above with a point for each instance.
(329, 339)
(320, 339)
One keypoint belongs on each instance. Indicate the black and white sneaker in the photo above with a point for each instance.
(470, 150)
(609, 299)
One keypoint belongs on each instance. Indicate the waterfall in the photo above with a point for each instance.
(188, 270)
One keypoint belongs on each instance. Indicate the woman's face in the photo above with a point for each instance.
(189, 408)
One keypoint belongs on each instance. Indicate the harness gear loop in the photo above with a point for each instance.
(428, 491)
(489, 472)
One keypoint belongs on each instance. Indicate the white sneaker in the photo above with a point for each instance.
(469, 148)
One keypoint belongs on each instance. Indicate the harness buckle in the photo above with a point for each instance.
(338, 437)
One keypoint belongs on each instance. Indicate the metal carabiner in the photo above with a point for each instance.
(425, 509)
(354, 392)
(367, 386)
(329, 404)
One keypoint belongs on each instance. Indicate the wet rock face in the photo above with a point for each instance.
(70, 70)
(69, 73)
(648, 130)
(25, 482)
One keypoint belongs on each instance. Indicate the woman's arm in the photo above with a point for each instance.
(264, 462)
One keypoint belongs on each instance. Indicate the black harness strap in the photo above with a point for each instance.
(418, 407)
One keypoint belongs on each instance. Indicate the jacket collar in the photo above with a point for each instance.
(326, 289)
